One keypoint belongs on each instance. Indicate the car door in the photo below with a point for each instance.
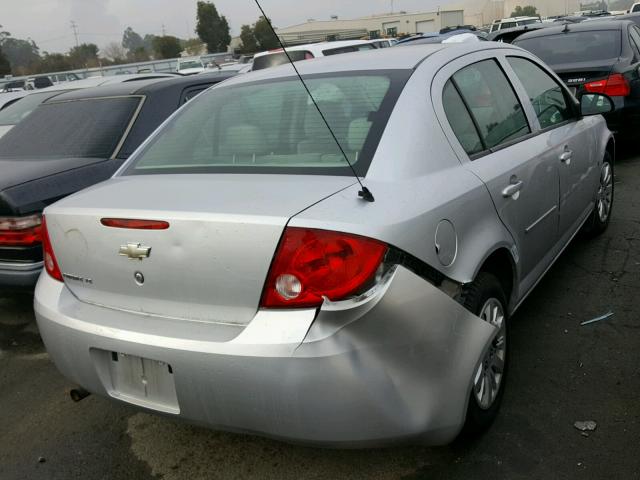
(494, 138)
(569, 140)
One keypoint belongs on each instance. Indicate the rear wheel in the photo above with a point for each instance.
(485, 297)
(601, 215)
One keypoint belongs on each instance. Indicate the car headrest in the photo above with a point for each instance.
(244, 139)
(358, 132)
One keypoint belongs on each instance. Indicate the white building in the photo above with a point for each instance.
(391, 24)
(485, 12)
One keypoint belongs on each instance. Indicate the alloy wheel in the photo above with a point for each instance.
(488, 377)
(605, 193)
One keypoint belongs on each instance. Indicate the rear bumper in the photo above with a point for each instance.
(625, 119)
(18, 275)
(395, 366)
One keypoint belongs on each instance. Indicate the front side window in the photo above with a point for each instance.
(492, 102)
(508, 25)
(274, 127)
(89, 128)
(546, 95)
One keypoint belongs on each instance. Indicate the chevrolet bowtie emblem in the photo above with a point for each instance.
(135, 251)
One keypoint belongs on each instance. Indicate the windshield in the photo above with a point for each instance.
(576, 47)
(280, 58)
(192, 64)
(13, 114)
(76, 129)
(273, 127)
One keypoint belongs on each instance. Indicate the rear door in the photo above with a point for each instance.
(570, 141)
(495, 139)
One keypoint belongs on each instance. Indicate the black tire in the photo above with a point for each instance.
(595, 225)
(474, 297)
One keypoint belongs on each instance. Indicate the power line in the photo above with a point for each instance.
(74, 27)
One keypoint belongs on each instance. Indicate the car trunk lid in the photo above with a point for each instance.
(576, 75)
(209, 265)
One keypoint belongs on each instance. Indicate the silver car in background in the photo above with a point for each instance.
(231, 275)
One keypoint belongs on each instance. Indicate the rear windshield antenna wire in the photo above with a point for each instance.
(364, 193)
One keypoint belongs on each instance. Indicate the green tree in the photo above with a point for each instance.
(140, 54)
(264, 35)
(166, 47)
(147, 42)
(249, 42)
(131, 40)
(527, 11)
(23, 55)
(84, 55)
(212, 28)
(192, 46)
(5, 66)
(54, 62)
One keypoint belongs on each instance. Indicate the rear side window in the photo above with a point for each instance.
(575, 47)
(460, 120)
(492, 102)
(546, 95)
(89, 128)
(280, 58)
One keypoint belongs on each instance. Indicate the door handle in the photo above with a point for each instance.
(513, 190)
(566, 156)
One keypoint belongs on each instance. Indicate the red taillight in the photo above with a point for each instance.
(312, 264)
(134, 224)
(50, 262)
(20, 231)
(614, 86)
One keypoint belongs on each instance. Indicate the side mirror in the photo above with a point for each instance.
(596, 104)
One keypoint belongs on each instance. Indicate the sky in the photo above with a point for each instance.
(48, 22)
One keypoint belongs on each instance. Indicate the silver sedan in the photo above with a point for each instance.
(234, 272)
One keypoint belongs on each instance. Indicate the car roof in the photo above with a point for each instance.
(142, 87)
(575, 27)
(406, 58)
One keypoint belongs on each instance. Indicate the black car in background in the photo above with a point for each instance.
(595, 57)
(68, 143)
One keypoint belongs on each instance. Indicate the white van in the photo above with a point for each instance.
(513, 22)
(276, 57)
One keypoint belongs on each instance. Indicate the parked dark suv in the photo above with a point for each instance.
(68, 143)
(595, 57)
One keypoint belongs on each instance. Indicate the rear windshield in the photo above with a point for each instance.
(576, 47)
(17, 111)
(280, 58)
(89, 128)
(348, 49)
(274, 127)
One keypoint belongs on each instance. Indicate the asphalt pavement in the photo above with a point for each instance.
(560, 373)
